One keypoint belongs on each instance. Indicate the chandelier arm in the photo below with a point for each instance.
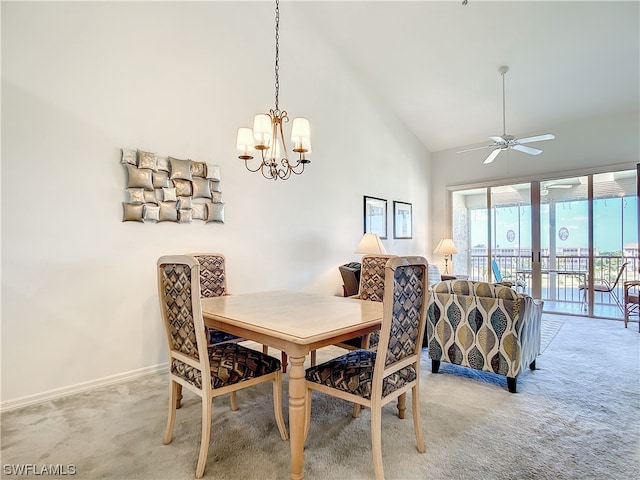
(275, 171)
(283, 118)
(301, 170)
(296, 166)
(284, 174)
(269, 169)
(246, 164)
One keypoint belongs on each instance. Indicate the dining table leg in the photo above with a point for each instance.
(296, 414)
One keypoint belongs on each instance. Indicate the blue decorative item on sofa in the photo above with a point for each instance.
(483, 326)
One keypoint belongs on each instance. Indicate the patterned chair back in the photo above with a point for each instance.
(372, 277)
(213, 279)
(178, 285)
(404, 317)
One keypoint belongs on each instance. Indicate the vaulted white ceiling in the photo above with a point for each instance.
(435, 64)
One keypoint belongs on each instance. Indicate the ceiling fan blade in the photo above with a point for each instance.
(498, 139)
(525, 149)
(559, 185)
(475, 148)
(537, 138)
(492, 156)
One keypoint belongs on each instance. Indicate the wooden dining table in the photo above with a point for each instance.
(296, 323)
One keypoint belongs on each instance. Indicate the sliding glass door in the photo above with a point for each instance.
(511, 237)
(570, 241)
(564, 244)
(615, 240)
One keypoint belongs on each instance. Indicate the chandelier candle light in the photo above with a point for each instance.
(267, 135)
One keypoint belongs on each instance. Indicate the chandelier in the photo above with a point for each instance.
(267, 135)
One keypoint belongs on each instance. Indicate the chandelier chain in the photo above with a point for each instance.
(277, 66)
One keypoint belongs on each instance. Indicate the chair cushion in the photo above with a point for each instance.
(217, 336)
(356, 342)
(353, 373)
(230, 363)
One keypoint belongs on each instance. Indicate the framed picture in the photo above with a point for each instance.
(402, 220)
(375, 216)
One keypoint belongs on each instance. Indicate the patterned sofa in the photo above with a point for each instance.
(483, 326)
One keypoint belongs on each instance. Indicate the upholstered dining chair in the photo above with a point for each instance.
(207, 370)
(213, 283)
(371, 289)
(374, 378)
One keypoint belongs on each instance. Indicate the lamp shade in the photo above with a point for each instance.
(244, 140)
(262, 131)
(300, 134)
(370, 244)
(446, 246)
(300, 128)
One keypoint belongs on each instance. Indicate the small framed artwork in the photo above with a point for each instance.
(402, 220)
(375, 216)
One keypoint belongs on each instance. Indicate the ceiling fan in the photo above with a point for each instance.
(505, 141)
(544, 189)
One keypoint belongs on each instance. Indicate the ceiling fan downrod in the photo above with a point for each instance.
(504, 69)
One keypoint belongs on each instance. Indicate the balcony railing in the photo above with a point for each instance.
(561, 277)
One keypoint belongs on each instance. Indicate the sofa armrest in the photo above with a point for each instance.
(530, 335)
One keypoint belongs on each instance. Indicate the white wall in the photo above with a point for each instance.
(589, 146)
(82, 80)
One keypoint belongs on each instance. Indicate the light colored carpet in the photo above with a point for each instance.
(576, 417)
(549, 329)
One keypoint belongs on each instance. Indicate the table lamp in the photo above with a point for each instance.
(448, 248)
(370, 244)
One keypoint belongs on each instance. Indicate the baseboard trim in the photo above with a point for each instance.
(81, 387)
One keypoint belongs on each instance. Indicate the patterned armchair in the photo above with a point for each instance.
(483, 326)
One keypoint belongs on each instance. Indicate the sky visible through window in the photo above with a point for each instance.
(615, 225)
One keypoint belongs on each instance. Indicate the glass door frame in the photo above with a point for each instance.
(536, 287)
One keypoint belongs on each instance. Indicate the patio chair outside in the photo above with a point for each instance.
(604, 286)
